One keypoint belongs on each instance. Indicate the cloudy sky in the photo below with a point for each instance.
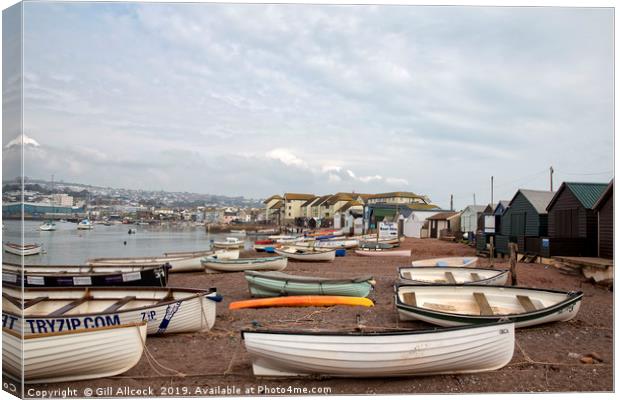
(260, 99)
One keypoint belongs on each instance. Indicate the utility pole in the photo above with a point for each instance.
(451, 202)
(491, 189)
(551, 177)
(474, 198)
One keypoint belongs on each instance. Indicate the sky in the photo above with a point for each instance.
(256, 100)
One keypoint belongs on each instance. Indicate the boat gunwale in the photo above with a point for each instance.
(371, 333)
(407, 281)
(296, 278)
(69, 332)
(198, 293)
(572, 298)
(241, 261)
(310, 251)
(141, 268)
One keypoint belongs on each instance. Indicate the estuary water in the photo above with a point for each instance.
(68, 245)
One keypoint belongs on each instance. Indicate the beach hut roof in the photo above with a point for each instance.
(586, 193)
(539, 199)
(608, 192)
(443, 215)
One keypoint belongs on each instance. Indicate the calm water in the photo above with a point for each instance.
(68, 245)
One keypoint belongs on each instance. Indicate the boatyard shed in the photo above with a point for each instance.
(526, 220)
(438, 223)
(469, 218)
(604, 208)
(573, 225)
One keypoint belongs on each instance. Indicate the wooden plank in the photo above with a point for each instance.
(32, 302)
(16, 302)
(450, 277)
(475, 277)
(483, 304)
(167, 297)
(119, 304)
(526, 303)
(68, 307)
(409, 299)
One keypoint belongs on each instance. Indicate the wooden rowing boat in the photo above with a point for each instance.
(179, 262)
(376, 245)
(272, 284)
(452, 276)
(166, 310)
(460, 350)
(22, 250)
(449, 305)
(245, 264)
(383, 253)
(447, 262)
(229, 243)
(303, 254)
(302, 301)
(328, 244)
(83, 275)
(72, 355)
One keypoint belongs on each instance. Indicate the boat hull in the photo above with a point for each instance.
(383, 253)
(178, 263)
(28, 250)
(73, 356)
(449, 305)
(264, 285)
(446, 351)
(310, 256)
(188, 311)
(442, 275)
(447, 262)
(253, 264)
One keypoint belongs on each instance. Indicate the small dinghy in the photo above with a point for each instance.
(238, 232)
(72, 355)
(167, 310)
(383, 253)
(23, 250)
(452, 276)
(302, 301)
(376, 245)
(469, 349)
(328, 244)
(229, 243)
(49, 226)
(83, 275)
(179, 262)
(261, 245)
(304, 254)
(272, 284)
(449, 305)
(85, 224)
(447, 262)
(245, 264)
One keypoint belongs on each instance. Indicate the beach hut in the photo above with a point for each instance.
(525, 220)
(501, 241)
(573, 226)
(604, 208)
(439, 222)
(469, 219)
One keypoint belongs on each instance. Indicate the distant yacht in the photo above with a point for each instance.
(48, 226)
(85, 224)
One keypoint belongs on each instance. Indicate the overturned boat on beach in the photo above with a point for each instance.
(272, 284)
(53, 310)
(83, 275)
(470, 349)
(450, 305)
(245, 264)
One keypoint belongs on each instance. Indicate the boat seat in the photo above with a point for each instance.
(32, 302)
(526, 303)
(475, 277)
(409, 299)
(68, 307)
(483, 303)
(167, 297)
(119, 304)
(449, 277)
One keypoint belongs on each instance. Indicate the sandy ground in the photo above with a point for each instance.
(546, 358)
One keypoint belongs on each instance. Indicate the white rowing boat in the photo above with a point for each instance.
(245, 264)
(229, 243)
(452, 275)
(179, 262)
(23, 250)
(328, 244)
(379, 354)
(51, 310)
(446, 262)
(72, 355)
(449, 305)
(304, 254)
(383, 253)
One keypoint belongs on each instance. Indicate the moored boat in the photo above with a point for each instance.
(245, 264)
(452, 275)
(298, 254)
(238, 232)
(450, 305)
(74, 354)
(468, 349)
(83, 275)
(48, 226)
(229, 243)
(85, 224)
(383, 253)
(272, 284)
(369, 244)
(302, 301)
(328, 244)
(22, 250)
(166, 310)
(446, 262)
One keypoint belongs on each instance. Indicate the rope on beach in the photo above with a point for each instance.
(529, 360)
(150, 358)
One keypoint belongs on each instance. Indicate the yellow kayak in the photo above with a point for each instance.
(302, 301)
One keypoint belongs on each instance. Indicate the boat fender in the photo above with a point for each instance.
(216, 298)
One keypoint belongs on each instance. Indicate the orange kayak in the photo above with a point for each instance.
(302, 301)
